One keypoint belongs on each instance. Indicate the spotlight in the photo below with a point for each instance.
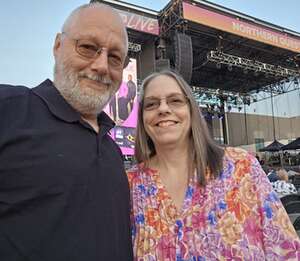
(217, 108)
(218, 65)
(161, 44)
(245, 71)
(229, 67)
(296, 81)
(246, 100)
(235, 101)
(297, 60)
(239, 108)
(229, 108)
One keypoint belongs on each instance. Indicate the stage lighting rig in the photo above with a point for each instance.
(134, 47)
(220, 57)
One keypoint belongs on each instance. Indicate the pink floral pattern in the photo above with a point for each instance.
(235, 217)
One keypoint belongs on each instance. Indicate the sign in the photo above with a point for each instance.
(241, 28)
(140, 23)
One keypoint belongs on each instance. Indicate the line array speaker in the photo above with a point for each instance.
(162, 64)
(183, 55)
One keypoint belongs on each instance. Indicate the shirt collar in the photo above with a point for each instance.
(61, 108)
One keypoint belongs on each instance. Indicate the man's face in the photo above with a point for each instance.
(88, 83)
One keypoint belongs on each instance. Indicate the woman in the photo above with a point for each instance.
(193, 200)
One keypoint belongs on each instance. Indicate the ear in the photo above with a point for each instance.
(57, 44)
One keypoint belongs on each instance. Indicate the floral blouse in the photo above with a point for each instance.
(235, 217)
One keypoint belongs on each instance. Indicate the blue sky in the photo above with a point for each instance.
(28, 29)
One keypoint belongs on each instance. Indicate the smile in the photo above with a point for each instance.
(166, 123)
(100, 84)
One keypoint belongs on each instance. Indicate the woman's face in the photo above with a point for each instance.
(166, 113)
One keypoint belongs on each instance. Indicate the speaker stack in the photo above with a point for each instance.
(183, 55)
(179, 56)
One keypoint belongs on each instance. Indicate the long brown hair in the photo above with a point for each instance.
(206, 154)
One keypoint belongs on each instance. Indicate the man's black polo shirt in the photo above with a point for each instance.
(63, 191)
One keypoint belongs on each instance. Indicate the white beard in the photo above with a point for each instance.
(86, 101)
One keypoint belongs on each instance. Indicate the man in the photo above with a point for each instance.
(122, 103)
(131, 92)
(63, 191)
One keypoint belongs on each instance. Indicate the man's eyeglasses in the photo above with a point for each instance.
(91, 50)
(174, 101)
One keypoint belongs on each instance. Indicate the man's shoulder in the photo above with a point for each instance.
(8, 92)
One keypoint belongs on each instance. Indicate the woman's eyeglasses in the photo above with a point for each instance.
(174, 101)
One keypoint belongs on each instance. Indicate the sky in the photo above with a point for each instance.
(28, 29)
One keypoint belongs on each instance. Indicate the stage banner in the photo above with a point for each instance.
(241, 28)
(123, 108)
(140, 23)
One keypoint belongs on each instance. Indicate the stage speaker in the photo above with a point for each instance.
(162, 64)
(183, 55)
(146, 59)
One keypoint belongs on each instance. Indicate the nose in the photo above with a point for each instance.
(100, 64)
(163, 106)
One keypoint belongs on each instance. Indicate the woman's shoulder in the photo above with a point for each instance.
(137, 172)
(237, 154)
(141, 174)
(133, 171)
(240, 164)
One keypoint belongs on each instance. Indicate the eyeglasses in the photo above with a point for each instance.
(90, 50)
(174, 101)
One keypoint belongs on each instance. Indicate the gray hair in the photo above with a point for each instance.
(207, 156)
(70, 19)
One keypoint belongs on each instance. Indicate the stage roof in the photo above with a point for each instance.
(218, 31)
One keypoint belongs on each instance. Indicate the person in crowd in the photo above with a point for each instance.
(282, 174)
(261, 161)
(64, 193)
(191, 198)
(277, 173)
(279, 179)
(257, 157)
(273, 175)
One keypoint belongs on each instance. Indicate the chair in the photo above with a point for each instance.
(292, 207)
(289, 198)
(296, 224)
(296, 182)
